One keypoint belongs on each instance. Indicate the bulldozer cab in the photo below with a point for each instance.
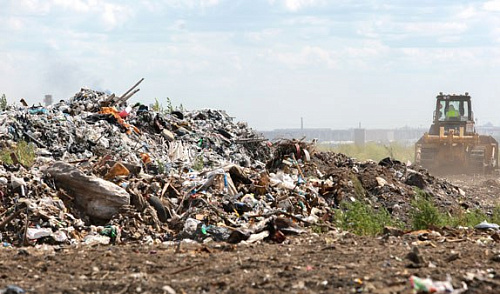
(453, 112)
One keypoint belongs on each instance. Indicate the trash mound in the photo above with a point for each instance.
(107, 172)
(389, 184)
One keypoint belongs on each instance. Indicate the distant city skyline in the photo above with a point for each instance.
(266, 62)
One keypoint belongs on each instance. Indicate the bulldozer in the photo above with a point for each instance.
(452, 145)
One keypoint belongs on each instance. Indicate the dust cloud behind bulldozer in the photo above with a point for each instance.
(452, 144)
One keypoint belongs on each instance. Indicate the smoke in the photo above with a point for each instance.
(61, 77)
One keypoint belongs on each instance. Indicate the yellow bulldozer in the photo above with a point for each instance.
(452, 144)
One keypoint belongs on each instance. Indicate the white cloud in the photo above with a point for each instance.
(53, 44)
(309, 21)
(369, 49)
(307, 57)
(493, 6)
(209, 3)
(450, 39)
(112, 14)
(192, 3)
(468, 13)
(15, 23)
(178, 25)
(296, 5)
(76, 5)
(372, 28)
(237, 62)
(435, 28)
(447, 58)
(33, 6)
(205, 49)
(264, 35)
(151, 5)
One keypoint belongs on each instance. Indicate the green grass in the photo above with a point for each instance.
(198, 163)
(25, 153)
(362, 219)
(374, 151)
(158, 107)
(425, 214)
(495, 218)
(468, 218)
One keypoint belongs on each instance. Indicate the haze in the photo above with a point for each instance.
(269, 62)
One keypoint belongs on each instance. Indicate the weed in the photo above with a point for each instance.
(424, 213)
(24, 152)
(170, 108)
(362, 219)
(3, 103)
(157, 107)
(359, 191)
(198, 163)
(468, 219)
(495, 217)
(319, 229)
(161, 167)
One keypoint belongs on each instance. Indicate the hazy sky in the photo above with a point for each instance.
(268, 62)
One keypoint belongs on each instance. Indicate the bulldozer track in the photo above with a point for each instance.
(476, 160)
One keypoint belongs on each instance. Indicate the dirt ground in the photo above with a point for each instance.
(484, 190)
(333, 262)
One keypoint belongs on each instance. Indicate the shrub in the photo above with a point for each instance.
(424, 213)
(467, 219)
(362, 219)
(3, 103)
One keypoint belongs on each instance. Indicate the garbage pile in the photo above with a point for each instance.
(388, 184)
(108, 172)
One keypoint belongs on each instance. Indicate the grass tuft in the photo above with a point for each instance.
(362, 219)
(23, 151)
(424, 213)
(198, 163)
(359, 190)
(495, 217)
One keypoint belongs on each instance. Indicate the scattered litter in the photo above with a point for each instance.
(427, 285)
(11, 289)
(484, 225)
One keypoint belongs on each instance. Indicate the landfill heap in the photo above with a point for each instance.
(108, 172)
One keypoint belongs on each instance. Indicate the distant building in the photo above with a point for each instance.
(359, 137)
(490, 130)
(47, 100)
(321, 134)
(324, 135)
(405, 135)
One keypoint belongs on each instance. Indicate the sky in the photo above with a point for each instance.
(336, 64)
